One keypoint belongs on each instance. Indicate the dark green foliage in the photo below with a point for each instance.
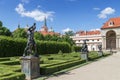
(11, 47)
(15, 46)
(55, 68)
(69, 33)
(38, 36)
(20, 33)
(15, 76)
(76, 48)
(51, 47)
(4, 31)
(10, 62)
(1, 24)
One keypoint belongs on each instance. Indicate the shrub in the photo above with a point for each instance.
(52, 47)
(11, 47)
(76, 48)
(15, 76)
(15, 47)
(58, 67)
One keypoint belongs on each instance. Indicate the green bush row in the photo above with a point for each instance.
(10, 62)
(55, 68)
(15, 76)
(15, 47)
(11, 47)
(52, 47)
(76, 48)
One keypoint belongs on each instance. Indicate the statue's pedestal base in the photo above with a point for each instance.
(100, 53)
(30, 66)
(84, 57)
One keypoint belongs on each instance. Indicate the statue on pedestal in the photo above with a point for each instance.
(84, 47)
(100, 52)
(31, 45)
(84, 50)
(100, 47)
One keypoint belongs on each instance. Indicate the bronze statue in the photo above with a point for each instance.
(100, 47)
(31, 45)
(84, 47)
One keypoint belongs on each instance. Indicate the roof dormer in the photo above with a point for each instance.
(111, 23)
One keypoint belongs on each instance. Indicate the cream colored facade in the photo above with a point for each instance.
(92, 41)
(113, 41)
(109, 36)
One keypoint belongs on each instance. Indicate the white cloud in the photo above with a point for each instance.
(66, 30)
(105, 12)
(95, 29)
(36, 14)
(96, 8)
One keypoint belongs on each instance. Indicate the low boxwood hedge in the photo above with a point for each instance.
(15, 76)
(10, 62)
(51, 69)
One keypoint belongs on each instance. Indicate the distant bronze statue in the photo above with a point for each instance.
(84, 47)
(100, 47)
(31, 45)
(100, 50)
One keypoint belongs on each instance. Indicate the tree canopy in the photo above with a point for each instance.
(20, 33)
(4, 31)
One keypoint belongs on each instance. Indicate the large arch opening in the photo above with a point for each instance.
(111, 40)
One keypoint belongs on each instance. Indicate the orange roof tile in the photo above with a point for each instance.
(116, 23)
(82, 33)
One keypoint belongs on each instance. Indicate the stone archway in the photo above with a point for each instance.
(111, 40)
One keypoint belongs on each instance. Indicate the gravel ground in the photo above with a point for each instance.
(104, 69)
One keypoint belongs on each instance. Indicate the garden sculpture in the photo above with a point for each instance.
(84, 47)
(31, 45)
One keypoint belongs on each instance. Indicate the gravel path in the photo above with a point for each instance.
(104, 69)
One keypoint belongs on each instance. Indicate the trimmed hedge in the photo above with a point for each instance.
(76, 48)
(15, 47)
(52, 47)
(11, 47)
(15, 76)
(55, 68)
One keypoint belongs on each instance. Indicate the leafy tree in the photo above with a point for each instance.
(20, 33)
(69, 33)
(4, 31)
(1, 24)
(68, 39)
(38, 36)
(48, 37)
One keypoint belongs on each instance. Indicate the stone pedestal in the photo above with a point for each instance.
(30, 66)
(84, 57)
(100, 53)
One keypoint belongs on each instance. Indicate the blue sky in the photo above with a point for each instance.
(62, 15)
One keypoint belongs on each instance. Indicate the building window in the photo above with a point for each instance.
(111, 23)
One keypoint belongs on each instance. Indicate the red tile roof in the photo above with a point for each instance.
(82, 33)
(116, 23)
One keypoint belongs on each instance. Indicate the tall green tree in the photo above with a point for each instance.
(38, 36)
(69, 33)
(4, 31)
(1, 24)
(20, 33)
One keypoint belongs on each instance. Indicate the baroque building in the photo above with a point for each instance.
(108, 36)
